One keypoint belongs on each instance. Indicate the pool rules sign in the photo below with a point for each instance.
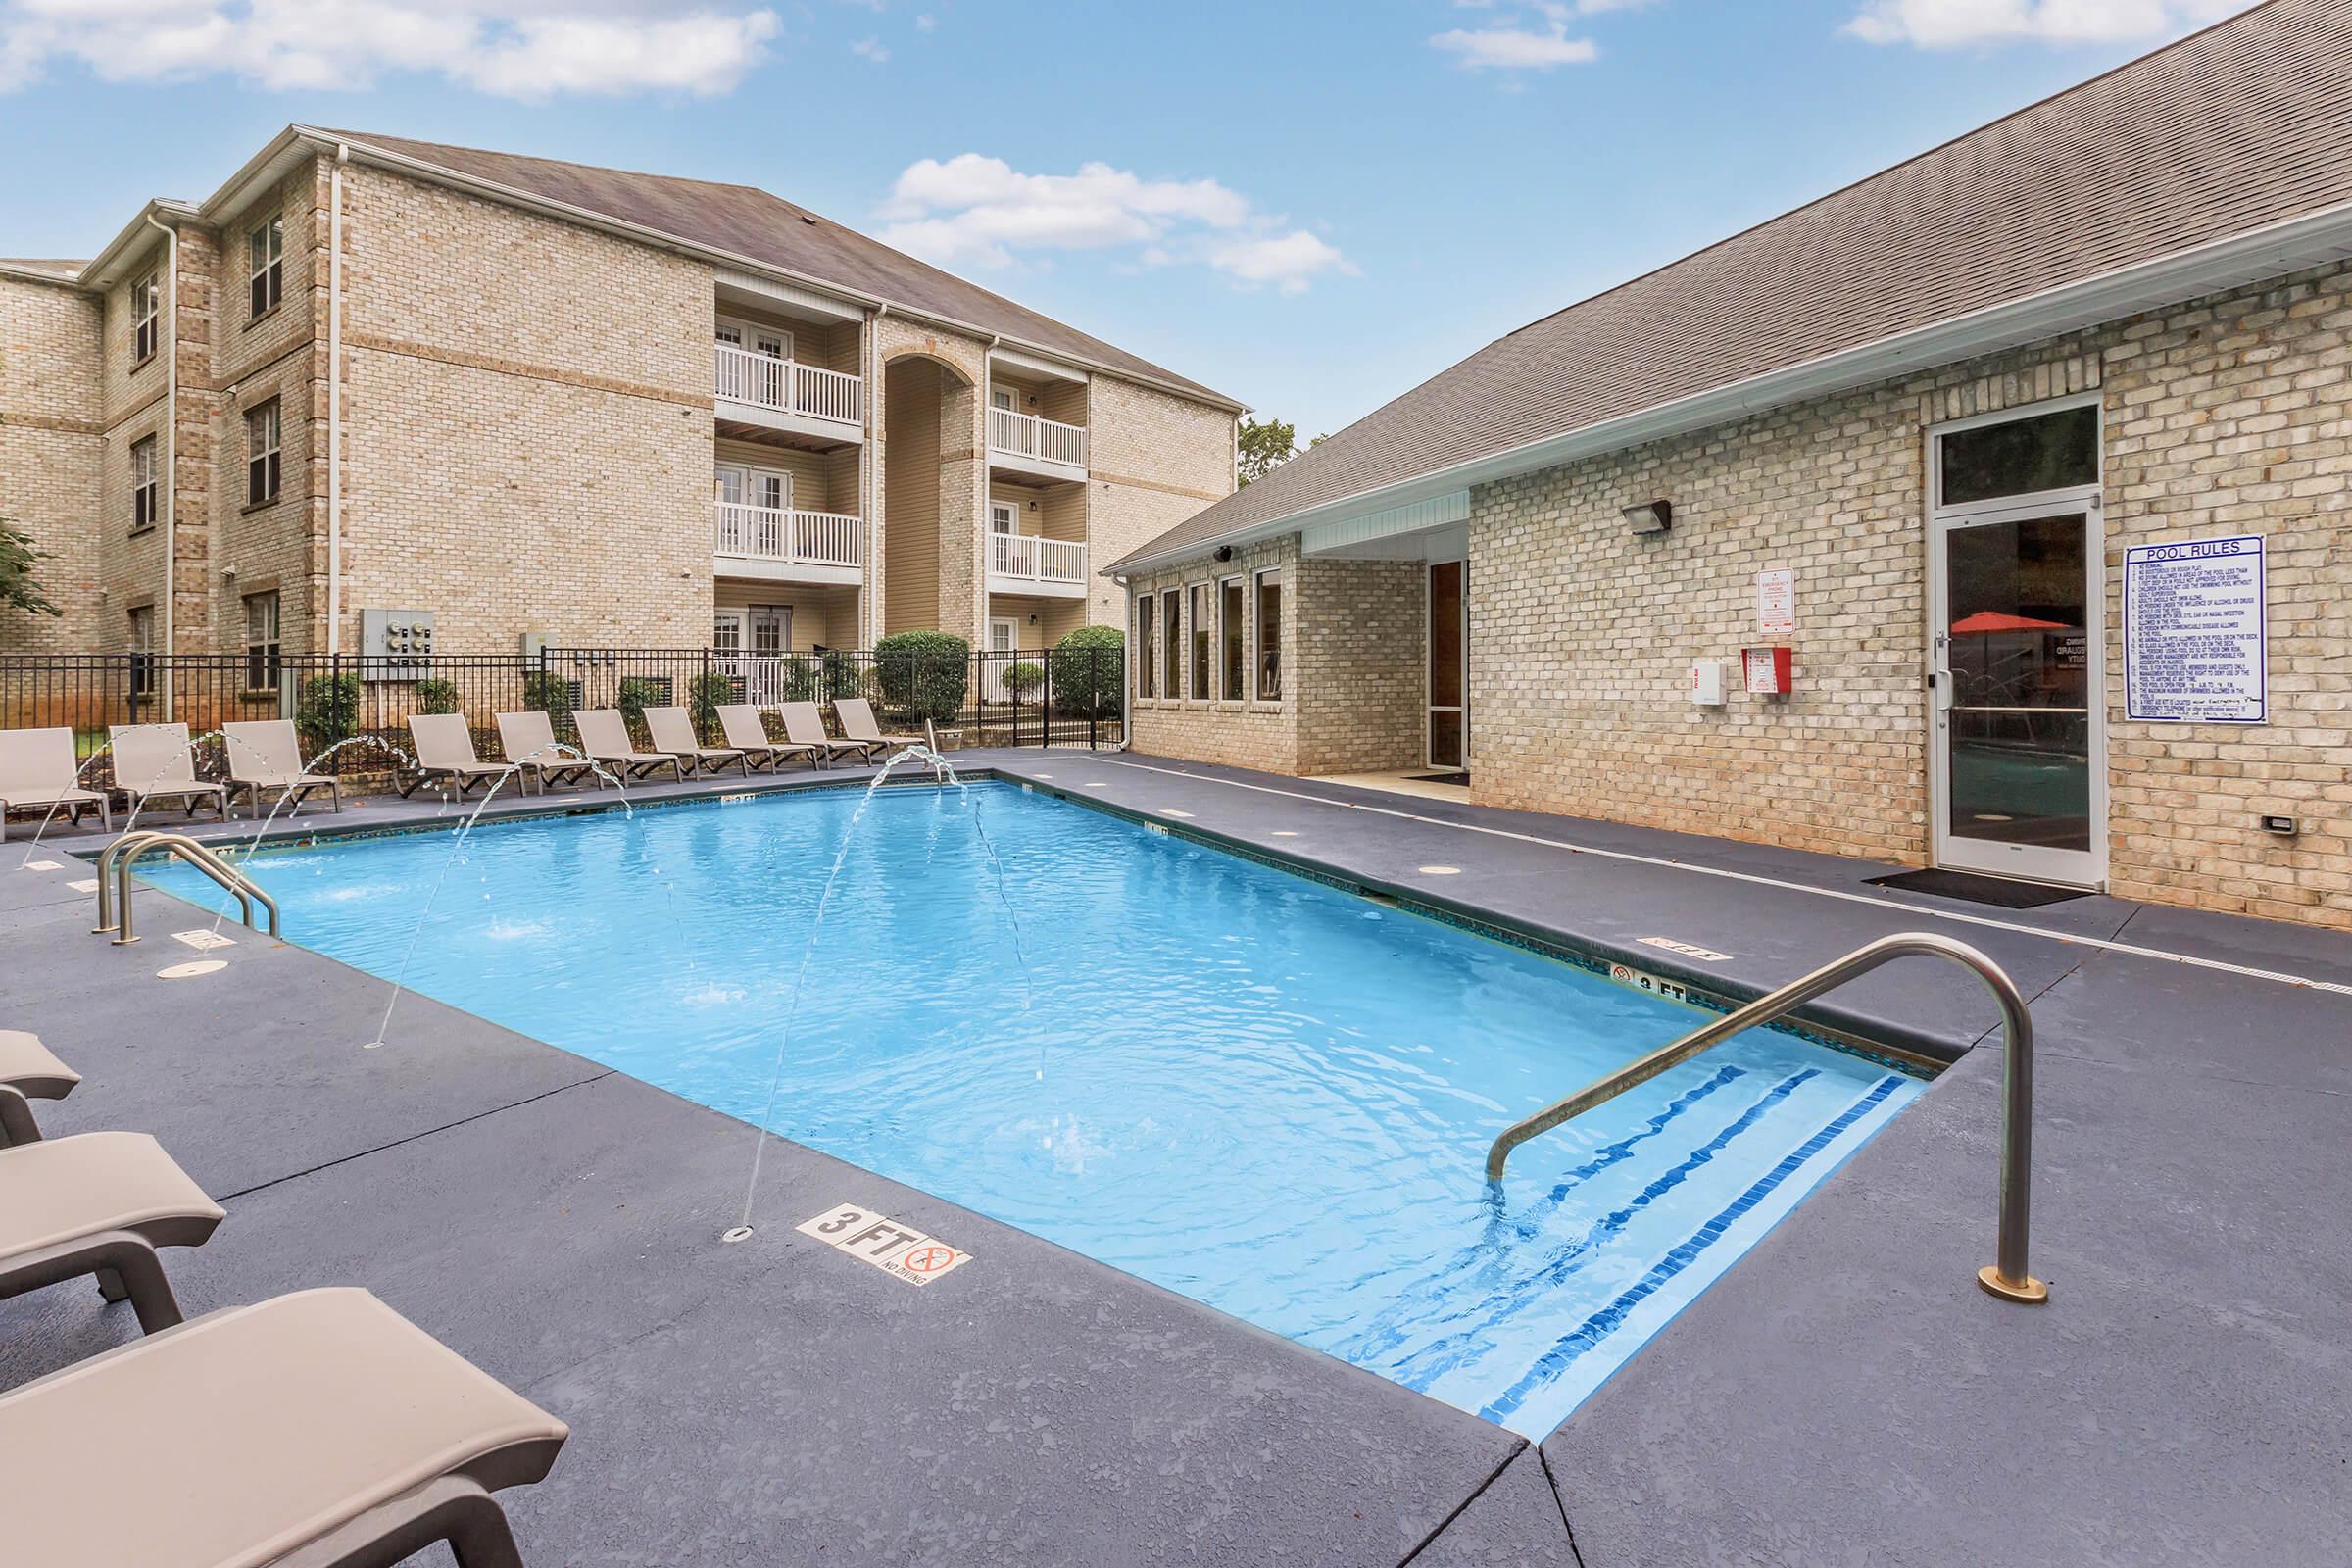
(2197, 641)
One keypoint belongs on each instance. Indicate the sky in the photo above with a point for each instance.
(1309, 207)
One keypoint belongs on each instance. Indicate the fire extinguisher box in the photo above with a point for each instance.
(1768, 672)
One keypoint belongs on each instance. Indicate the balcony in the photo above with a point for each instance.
(780, 544)
(1047, 449)
(1024, 563)
(761, 390)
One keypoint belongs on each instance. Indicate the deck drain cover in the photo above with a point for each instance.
(203, 941)
(1440, 870)
(43, 865)
(190, 969)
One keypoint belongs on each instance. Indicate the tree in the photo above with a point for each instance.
(16, 587)
(1265, 444)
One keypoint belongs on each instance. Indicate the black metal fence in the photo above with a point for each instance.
(340, 705)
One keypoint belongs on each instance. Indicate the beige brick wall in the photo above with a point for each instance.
(52, 452)
(1154, 459)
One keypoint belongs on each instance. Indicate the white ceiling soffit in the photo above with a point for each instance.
(1030, 366)
(1414, 516)
(750, 289)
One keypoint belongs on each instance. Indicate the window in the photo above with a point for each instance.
(146, 494)
(261, 642)
(1172, 638)
(261, 454)
(1269, 635)
(1203, 647)
(1231, 626)
(266, 265)
(142, 649)
(1146, 643)
(146, 306)
(2020, 457)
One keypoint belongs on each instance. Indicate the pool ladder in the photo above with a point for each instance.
(2007, 1276)
(114, 874)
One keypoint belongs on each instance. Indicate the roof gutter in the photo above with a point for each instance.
(2272, 250)
(400, 163)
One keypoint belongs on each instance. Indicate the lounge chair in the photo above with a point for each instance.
(37, 770)
(316, 1429)
(27, 1072)
(264, 754)
(98, 1203)
(747, 732)
(605, 737)
(804, 725)
(673, 732)
(529, 741)
(857, 716)
(444, 744)
(156, 762)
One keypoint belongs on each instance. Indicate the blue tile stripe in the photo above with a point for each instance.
(1598, 1325)
(1385, 1333)
(1434, 1360)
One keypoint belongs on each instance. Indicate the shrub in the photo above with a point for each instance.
(704, 698)
(798, 681)
(1090, 670)
(1023, 679)
(846, 675)
(922, 674)
(549, 695)
(636, 694)
(436, 695)
(327, 710)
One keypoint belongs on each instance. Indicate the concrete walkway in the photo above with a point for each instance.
(1844, 1394)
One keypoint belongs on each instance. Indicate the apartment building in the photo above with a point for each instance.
(374, 383)
(1989, 515)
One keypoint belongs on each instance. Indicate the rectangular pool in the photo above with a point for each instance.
(1265, 1093)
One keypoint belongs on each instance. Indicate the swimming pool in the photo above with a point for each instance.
(1266, 1092)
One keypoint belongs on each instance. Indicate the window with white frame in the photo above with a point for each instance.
(146, 312)
(261, 458)
(1232, 631)
(266, 265)
(1204, 648)
(146, 488)
(1269, 635)
(262, 648)
(1147, 646)
(142, 647)
(1172, 638)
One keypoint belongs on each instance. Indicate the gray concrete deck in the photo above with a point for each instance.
(1844, 1394)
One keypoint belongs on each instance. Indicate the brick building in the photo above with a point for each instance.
(528, 398)
(2031, 451)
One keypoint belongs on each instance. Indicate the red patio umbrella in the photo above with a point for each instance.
(1992, 620)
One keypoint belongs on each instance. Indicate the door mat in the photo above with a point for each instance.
(1998, 890)
(1463, 779)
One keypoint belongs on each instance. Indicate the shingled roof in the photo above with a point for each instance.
(2246, 125)
(749, 221)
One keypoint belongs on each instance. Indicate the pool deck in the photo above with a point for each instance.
(1844, 1394)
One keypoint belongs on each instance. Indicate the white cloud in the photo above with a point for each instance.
(979, 210)
(529, 49)
(1535, 42)
(1956, 23)
(870, 49)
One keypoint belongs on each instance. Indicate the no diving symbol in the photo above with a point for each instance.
(929, 1258)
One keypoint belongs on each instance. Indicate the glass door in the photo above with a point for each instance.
(1448, 654)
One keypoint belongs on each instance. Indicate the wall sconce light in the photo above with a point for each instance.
(1654, 517)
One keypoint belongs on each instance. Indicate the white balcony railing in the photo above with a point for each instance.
(1026, 435)
(778, 533)
(787, 385)
(1028, 559)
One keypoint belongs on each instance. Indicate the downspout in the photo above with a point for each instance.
(1127, 673)
(986, 546)
(874, 431)
(170, 449)
(334, 403)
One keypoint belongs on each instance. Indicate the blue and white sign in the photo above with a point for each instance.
(2197, 641)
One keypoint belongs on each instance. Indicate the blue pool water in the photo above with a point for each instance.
(1264, 1093)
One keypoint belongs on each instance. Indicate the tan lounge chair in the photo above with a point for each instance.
(156, 762)
(443, 746)
(747, 733)
(27, 1072)
(529, 739)
(605, 737)
(857, 716)
(38, 772)
(316, 1429)
(804, 725)
(673, 732)
(264, 754)
(98, 1203)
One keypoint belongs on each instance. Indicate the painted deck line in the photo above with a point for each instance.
(1987, 922)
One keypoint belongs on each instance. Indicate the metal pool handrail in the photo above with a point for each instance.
(2007, 1276)
(120, 855)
